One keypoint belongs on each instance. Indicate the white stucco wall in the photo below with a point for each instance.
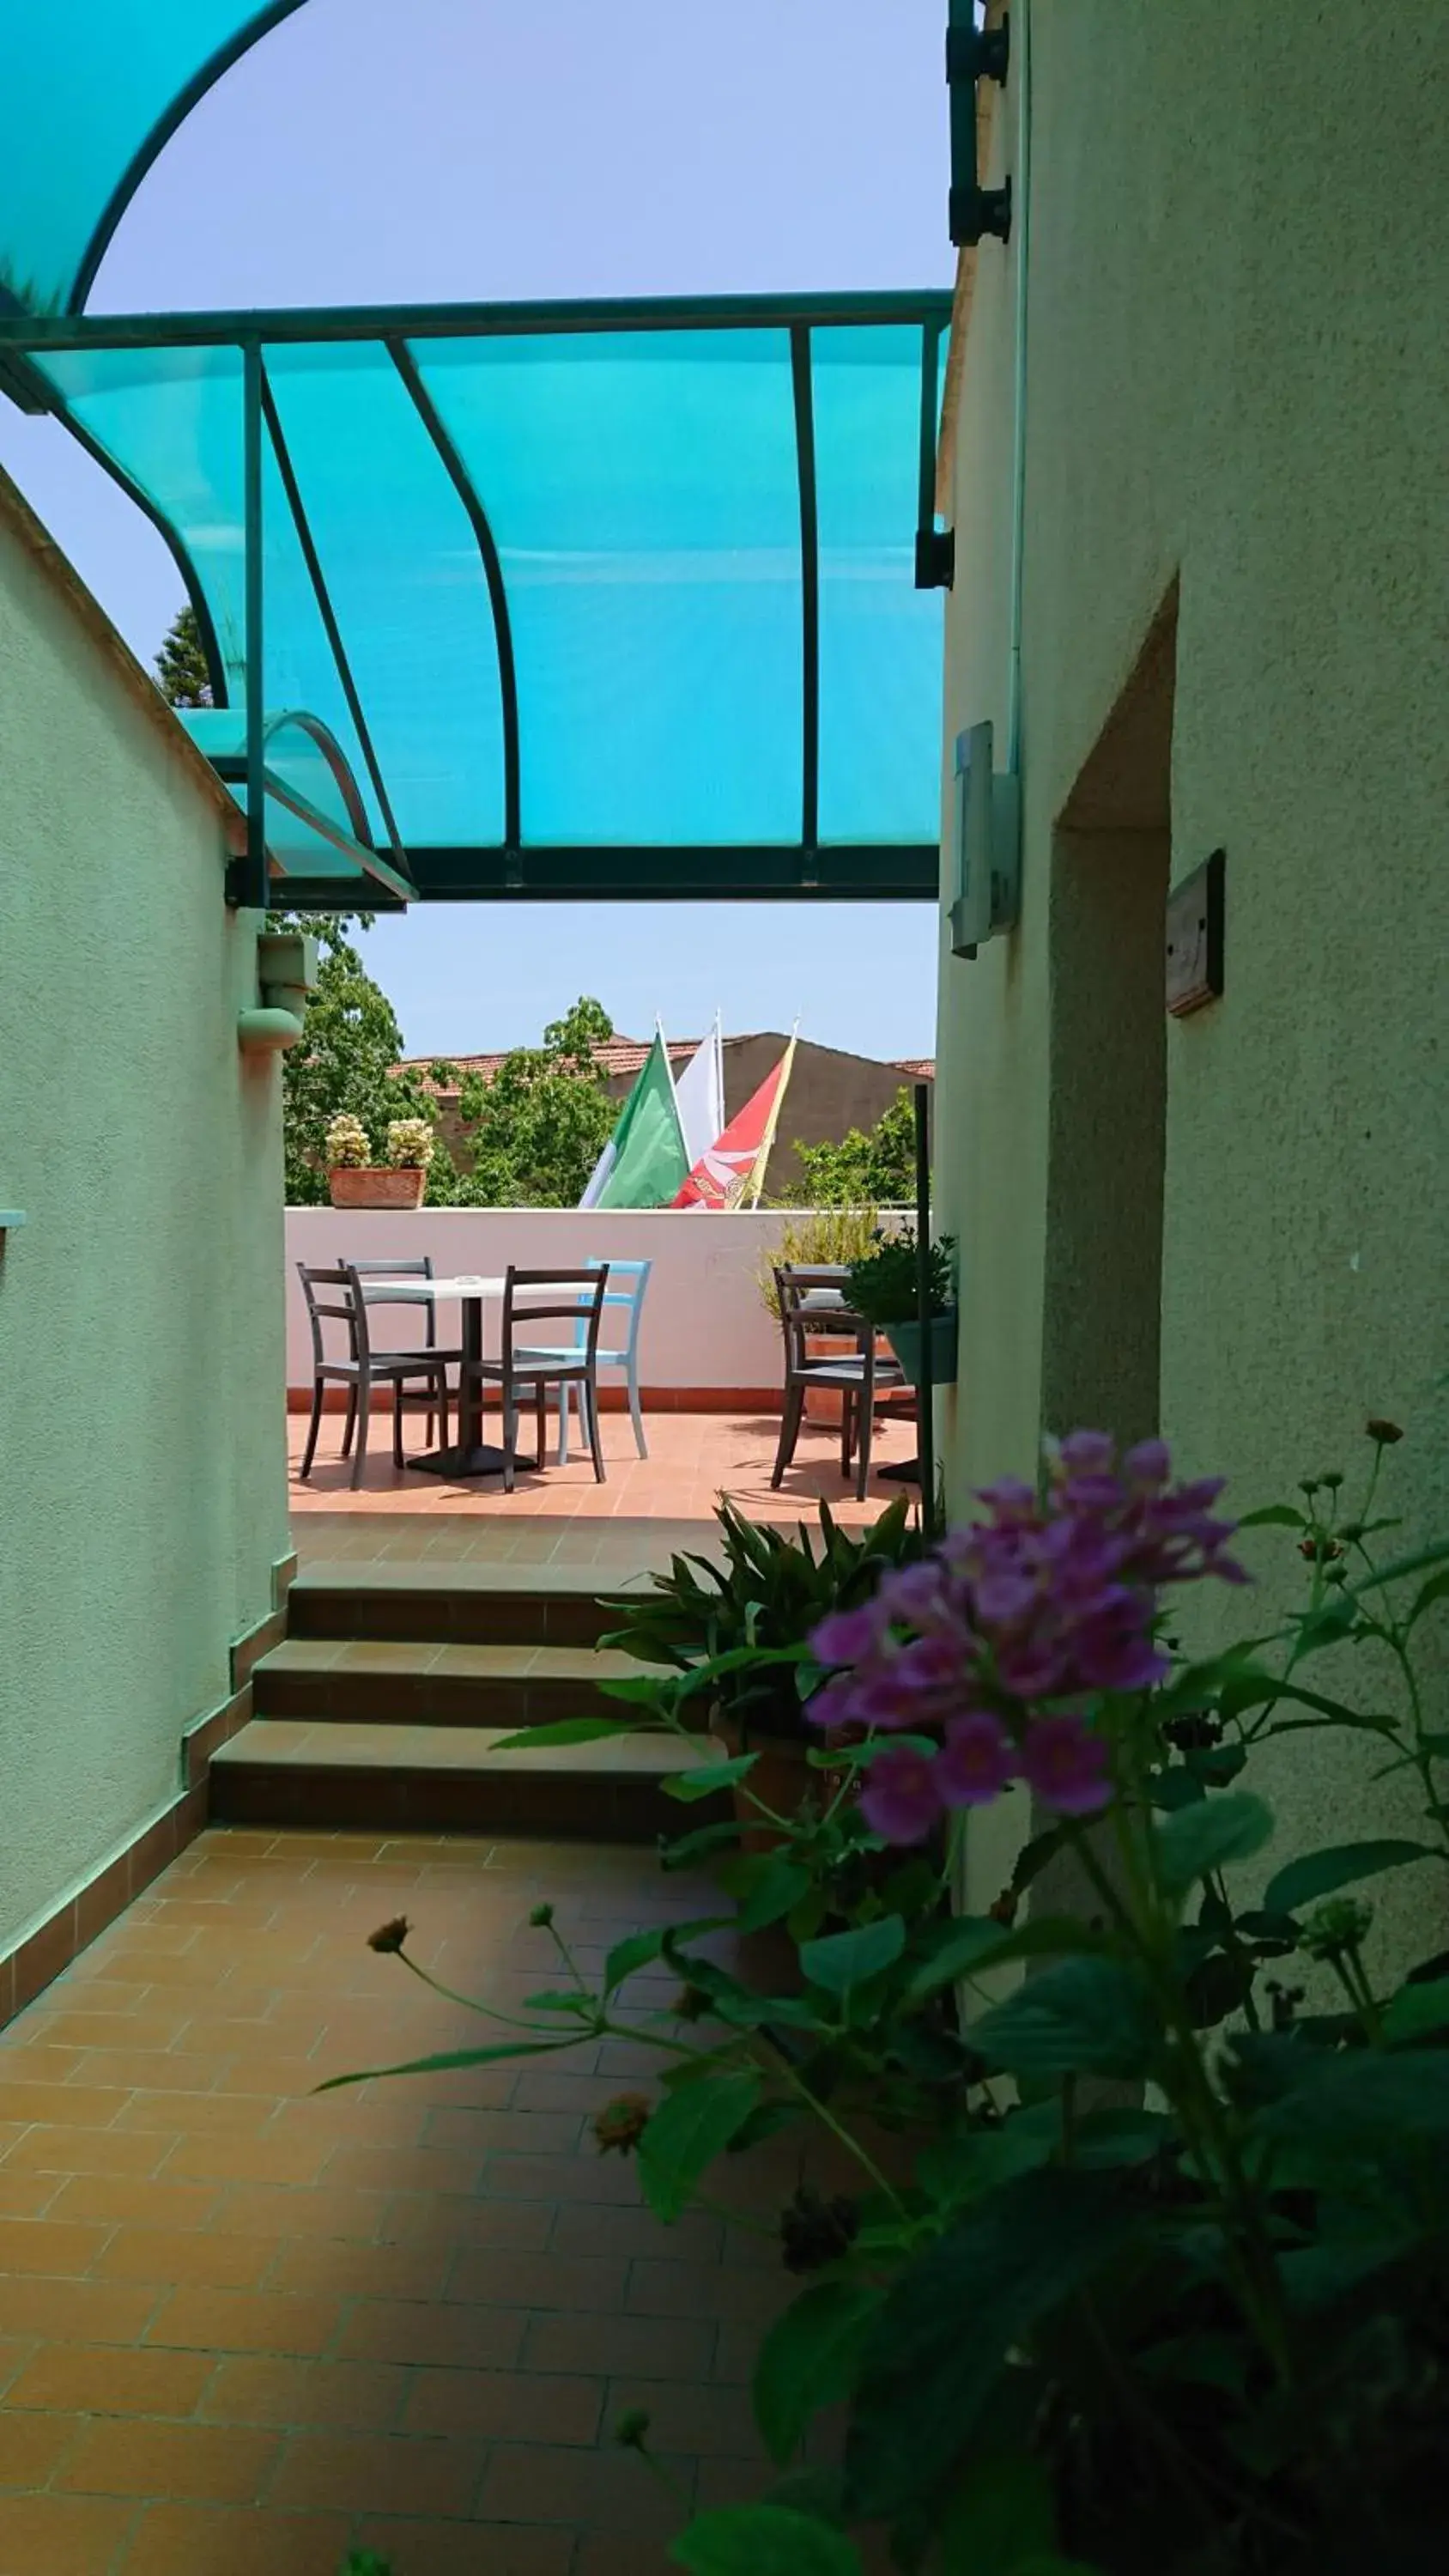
(142, 1466)
(704, 1322)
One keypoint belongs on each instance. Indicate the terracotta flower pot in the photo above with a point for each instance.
(781, 1779)
(378, 1186)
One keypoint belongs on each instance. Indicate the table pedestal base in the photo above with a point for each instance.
(471, 1458)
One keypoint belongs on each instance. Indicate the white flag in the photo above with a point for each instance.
(699, 1093)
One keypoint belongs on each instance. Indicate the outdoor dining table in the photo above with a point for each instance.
(470, 1454)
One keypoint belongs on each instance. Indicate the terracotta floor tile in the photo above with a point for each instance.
(32, 2448)
(611, 2490)
(506, 2405)
(38, 2245)
(245, 2321)
(174, 2463)
(79, 2028)
(194, 2114)
(622, 2347)
(489, 2276)
(449, 2337)
(39, 2096)
(270, 2209)
(206, 2540)
(359, 2271)
(173, 2256)
(114, 2201)
(92, 2379)
(379, 2473)
(75, 2311)
(62, 2535)
(216, 2156)
(28, 2195)
(336, 2396)
(466, 2549)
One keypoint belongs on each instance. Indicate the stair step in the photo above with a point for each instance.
(503, 1603)
(403, 1681)
(453, 1778)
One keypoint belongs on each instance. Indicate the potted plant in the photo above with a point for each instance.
(356, 1180)
(826, 1237)
(884, 1289)
(751, 1609)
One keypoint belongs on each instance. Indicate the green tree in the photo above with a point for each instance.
(347, 1060)
(873, 1167)
(537, 1129)
(181, 673)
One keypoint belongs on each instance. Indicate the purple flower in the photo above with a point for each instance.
(976, 1760)
(834, 1704)
(1148, 1466)
(914, 1594)
(901, 1799)
(1065, 1765)
(1086, 1453)
(848, 1636)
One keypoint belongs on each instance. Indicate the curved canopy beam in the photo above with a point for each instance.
(95, 90)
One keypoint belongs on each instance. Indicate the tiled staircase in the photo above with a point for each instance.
(385, 1705)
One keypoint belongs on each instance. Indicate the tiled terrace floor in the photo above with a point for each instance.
(693, 1457)
(242, 2329)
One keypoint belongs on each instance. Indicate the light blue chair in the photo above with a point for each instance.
(627, 1283)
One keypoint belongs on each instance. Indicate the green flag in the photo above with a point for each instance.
(644, 1162)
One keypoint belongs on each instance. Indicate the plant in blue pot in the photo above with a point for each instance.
(884, 1290)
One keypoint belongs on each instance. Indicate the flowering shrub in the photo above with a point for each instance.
(348, 1145)
(410, 1144)
(1144, 2268)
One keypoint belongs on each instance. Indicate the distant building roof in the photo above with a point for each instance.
(621, 1057)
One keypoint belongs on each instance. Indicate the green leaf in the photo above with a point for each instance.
(1402, 1566)
(1000, 2518)
(1417, 2010)
(1436, 1589)
(846, 1959)
(452, 2058)
(690, 2128)
(940, 2343)
(641, 1948)
(1321, 1873)
(562, 1999)
(1085, 2016)
(565, 1731)
(779, 1884)
(1350, 2099)
(1199, 1839)
(1273, 1516)
(808, 2360)
(763, 2540)
(970, 1946)
(1328, 1625)
(709, 1778)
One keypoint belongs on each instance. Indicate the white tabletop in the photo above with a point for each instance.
(418, 1291)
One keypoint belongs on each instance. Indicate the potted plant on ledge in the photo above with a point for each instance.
(356, 1180)
(884, 1289)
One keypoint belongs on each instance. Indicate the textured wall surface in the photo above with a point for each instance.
(704, 1322)
(142, 1462)
(1237, 380)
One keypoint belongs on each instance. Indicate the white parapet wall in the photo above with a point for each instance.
(705, 1331)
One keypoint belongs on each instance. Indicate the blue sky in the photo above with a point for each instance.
(378, 150)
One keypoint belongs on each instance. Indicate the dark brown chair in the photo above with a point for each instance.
(418, 1376)
(812, 1300)
(368, 1272)
(533, 1363)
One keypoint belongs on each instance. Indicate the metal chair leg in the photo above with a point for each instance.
(313, 1427)
(789, 1432)
(363, 1405)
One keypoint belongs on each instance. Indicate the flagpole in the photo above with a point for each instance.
(757, 1177)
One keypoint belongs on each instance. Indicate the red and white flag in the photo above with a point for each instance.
(731, 1173)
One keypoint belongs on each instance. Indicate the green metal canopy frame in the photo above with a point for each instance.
(620, 599)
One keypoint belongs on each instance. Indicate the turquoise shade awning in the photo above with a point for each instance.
(589, 599)
(93, 91)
